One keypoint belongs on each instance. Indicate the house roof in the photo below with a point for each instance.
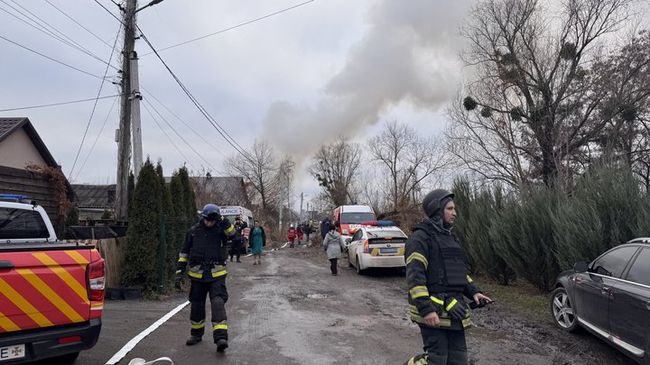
(94, 196)
(222, 190)
(10, 125)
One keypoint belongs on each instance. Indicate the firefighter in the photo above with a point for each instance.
(205, 252)
(437, 280)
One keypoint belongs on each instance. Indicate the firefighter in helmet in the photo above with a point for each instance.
(438, 283)
(204, 257)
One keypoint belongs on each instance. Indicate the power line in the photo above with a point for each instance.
(79, 24)
(43, 27)
(56, 104)
(212, 145)
(92, 148)
(233, 143)
(92, 113)
(179, 135)
(110, 12)
(187, 160)
(50, 58)
(233, 27)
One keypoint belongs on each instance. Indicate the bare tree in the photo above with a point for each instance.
(410, 160)
(259, 168)
(538, 92)
(335, 167)
(487, 147)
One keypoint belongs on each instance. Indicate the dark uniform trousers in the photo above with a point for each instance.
(218, 297)
(444, 346)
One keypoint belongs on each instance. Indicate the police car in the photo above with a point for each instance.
(378, 244)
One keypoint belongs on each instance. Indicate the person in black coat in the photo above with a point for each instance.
(436, 274)
(325, 227)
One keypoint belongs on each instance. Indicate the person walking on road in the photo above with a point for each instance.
(237, 242)
(307, 230)
(257, 242)
(333, 245)
(205, 252)
(299, 233)
(437, 279)
(291, 235)
(325, 227)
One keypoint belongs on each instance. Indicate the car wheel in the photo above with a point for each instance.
(358, 267)
(562, 310)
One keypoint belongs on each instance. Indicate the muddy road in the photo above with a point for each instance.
(290, 310)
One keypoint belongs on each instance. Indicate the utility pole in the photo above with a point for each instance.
(302, 197)
(135, 97)
(124, 135)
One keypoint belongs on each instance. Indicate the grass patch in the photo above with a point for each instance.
(520, 296)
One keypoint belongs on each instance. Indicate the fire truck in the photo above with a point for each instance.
(51, 292)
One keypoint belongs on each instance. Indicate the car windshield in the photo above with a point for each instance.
(21, 224)
(386, 234)
(356, 218)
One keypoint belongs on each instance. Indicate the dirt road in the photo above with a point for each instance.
(290, 310)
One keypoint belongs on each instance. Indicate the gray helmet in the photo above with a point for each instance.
(211, 212)
(433, 203)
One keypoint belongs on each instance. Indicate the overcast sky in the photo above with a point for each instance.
(299, 78)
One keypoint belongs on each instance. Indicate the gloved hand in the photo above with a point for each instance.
(455, 308)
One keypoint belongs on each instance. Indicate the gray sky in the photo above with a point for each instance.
(299, 79)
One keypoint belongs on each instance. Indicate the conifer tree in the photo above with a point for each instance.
(139, 267)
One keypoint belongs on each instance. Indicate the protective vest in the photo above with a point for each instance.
(446, 275)
(207, 255)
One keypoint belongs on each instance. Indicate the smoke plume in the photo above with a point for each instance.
(410, 53)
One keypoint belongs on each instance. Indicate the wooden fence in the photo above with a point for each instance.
(37, 187)
(111, 250)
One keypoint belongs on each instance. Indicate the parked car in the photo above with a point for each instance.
(609, 297)
(376, 245)
(51, 292)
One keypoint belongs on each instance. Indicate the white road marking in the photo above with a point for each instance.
(131, 344)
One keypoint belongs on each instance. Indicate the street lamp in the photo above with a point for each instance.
(152, 3)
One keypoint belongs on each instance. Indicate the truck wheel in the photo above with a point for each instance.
(66, 359)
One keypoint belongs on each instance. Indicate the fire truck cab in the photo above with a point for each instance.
(352, 217)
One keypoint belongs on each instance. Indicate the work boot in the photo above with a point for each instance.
(222, 345)
(193, 340)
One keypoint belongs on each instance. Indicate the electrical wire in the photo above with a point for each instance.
(49, 58)
(79, 24)
(92, 113)
(187, 160)
(233, 27)
(42, 26)
(110, 12)
(92, 148)
(212, 145)
(57, 104)
(179, 135)
(233, 143)
(170, 139)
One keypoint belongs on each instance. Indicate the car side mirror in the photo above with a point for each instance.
(581, 266)
(348, 240)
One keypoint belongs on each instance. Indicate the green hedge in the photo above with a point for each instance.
(537, 233)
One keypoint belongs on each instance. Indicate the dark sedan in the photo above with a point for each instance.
(610, 297)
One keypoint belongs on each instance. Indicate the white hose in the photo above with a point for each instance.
(140, 361)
